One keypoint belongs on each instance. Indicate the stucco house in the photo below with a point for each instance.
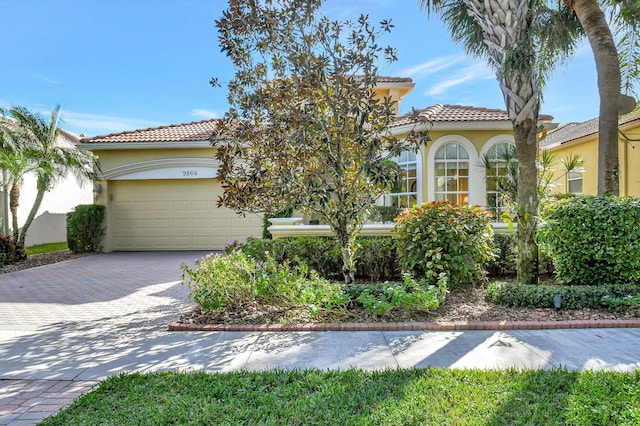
(50, 223)
(450, 167)
(160, 184)
(582, 139)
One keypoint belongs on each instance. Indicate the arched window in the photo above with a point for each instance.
(500, 164)
(405, 193)
(451, 163)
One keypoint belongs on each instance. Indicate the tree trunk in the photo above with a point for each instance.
(32, 215)
(346, 242)
(14, 197)
(527, 153)
(605, 54)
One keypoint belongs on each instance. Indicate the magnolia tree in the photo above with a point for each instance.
(306, 127)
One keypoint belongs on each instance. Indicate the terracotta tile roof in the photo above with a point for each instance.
(385, 79)
(186, 132)
(459, 113)
(572, 131)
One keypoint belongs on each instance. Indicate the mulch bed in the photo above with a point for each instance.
(40, 260)
(462, 304)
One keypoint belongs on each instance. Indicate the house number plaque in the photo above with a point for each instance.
(189, 173)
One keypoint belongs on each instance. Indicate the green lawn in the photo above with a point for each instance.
(46, 248)
(354, 397)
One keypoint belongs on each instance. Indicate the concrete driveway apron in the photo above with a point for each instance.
(66, 326)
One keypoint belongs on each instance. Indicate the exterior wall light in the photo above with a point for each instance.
(97, 190)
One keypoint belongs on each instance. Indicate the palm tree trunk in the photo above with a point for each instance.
(527, 152)
(603, 45)
(32, 215)
(14, 197)
(506, 27)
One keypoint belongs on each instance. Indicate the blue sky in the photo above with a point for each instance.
(116, 65)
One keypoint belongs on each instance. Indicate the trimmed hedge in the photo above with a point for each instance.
(541, 296)
(593, 239)
(375, 256)
(84, 228)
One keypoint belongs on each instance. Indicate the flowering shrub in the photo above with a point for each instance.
(216, 280)
(442, 237)
(237, 279)
(232, 246)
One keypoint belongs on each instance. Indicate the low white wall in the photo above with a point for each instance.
(293, 227)
(47, 228)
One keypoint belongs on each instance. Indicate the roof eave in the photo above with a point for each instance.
(100, 146)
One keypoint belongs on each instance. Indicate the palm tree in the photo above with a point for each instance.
(14, 166)
(514, 37)
(48, 158)
(603, 44)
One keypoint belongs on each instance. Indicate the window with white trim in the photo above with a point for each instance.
(574, 181)
(452, 174)
(405, 192)
(498, 158)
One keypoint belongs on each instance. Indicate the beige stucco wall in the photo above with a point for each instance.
(587, 148)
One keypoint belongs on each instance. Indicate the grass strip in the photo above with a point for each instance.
(355, 397)
(46, 248)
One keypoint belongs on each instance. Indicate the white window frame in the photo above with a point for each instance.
(418, 192)
(475, 183)
(571, 179)
(488, 145)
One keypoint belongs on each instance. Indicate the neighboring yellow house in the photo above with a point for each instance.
(582, 139)
(160, 184)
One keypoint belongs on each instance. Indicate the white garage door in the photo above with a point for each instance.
(174, 215)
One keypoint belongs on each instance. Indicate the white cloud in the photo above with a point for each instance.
(45, 78)
(473, 73)
(91, 124)
(432, 66)
(204, 113)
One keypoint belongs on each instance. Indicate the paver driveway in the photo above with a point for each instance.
(141, 288)
(62, 320)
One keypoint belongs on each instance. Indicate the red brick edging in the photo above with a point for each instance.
(411, 326)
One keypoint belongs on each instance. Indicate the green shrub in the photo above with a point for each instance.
(410, 295)
(84, 228)
(237, 279)
(505, 264)
(218, 281)
(376, 259)
(375, 256)
(593, 239)
(573, 297)
(10, 251)
(441, 237)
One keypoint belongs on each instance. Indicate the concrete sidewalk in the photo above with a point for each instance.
(64, 327)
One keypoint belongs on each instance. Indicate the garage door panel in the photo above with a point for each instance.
(174, 215)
